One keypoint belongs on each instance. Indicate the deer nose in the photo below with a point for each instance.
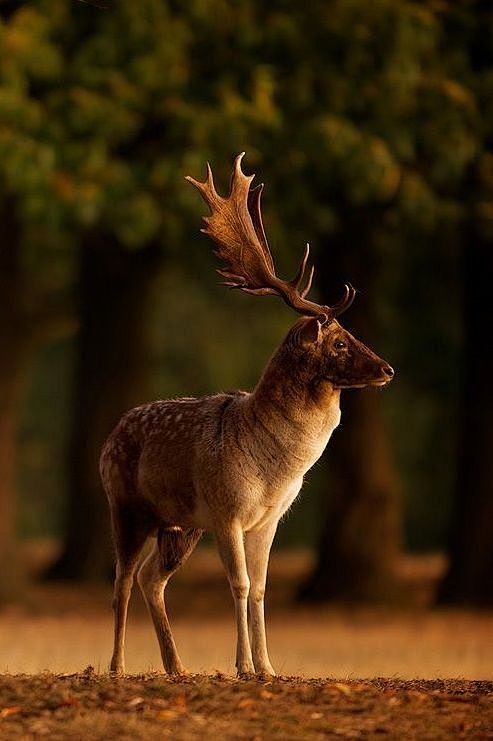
(388, 370)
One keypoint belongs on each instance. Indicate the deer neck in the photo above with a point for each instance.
(294, 408)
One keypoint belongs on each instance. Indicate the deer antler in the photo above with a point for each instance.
(235, 225)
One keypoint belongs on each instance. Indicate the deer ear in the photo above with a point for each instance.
(311, 332)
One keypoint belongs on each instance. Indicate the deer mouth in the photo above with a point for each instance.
(386, 375)
(380, 381)
(380, 375)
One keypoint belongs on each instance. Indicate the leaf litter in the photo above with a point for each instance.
(96, 706)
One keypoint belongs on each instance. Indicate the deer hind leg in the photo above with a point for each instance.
(257, 549)
(130, 533)
(172, 548)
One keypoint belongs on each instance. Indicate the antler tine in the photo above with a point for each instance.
(300, 275)
(254, 208)
(298, 278)
(239, 185)
(207, 190)
(345, 302)
(306, 289)
(235, 225)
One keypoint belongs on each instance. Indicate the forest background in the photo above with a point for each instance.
(372, 125)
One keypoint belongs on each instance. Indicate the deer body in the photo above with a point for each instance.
(231, 464)
(184, 457)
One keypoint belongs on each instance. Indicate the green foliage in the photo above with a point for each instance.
(104, 111)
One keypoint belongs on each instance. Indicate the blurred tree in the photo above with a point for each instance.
(129, 137)
(11, 384)
(31, 311)
(375, 151)
(113, 158)
(361, 535)
(469, 577)
(111, 376)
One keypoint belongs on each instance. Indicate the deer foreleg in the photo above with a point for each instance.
(257, 548)
(232, 551)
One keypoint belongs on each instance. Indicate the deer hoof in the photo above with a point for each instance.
(265, 673)
(118, 671)
(246, 675)
(176, 670)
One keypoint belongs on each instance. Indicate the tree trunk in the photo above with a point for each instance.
(470, 576)
(13, 343)
(11, 388)
(361, 532)
(110, 378)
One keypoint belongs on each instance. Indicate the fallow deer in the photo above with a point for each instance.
(231, 463)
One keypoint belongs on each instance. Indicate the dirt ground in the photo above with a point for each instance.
(438, 665)
(88, 706)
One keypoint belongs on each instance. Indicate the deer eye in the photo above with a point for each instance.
(339, 344)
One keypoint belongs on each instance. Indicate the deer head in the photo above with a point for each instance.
(323, 351)
(235, 225)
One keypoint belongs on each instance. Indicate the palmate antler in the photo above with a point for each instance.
(235, 225)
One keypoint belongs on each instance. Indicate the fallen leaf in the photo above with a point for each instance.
(247, 702)
(159, 703)
(168, 714)
(7, 712)
(199, 719)
(344, 689)
(135, 702)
